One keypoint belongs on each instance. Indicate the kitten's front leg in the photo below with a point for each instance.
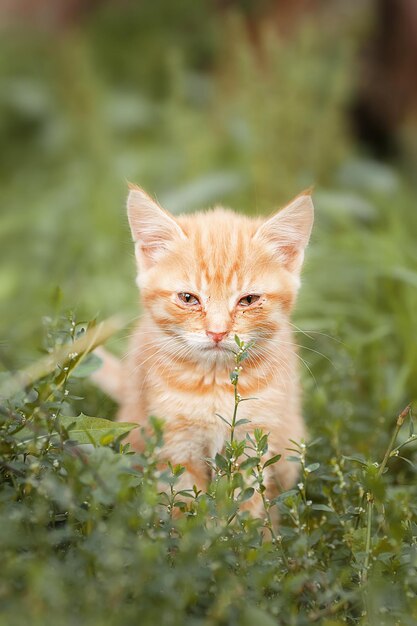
(186, 445)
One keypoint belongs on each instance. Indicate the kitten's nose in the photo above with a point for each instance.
(216, 337)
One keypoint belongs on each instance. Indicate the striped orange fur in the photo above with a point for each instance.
(181, 355)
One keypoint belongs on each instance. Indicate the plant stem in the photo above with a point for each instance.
(370, 496)
(368, 545)
(268, 524)
(237, 400)
(400, 422)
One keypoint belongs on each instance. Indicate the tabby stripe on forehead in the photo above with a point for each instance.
(233, 270)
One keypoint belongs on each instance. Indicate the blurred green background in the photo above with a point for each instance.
(242, 103)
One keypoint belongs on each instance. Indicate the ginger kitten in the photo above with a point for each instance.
(204, 278)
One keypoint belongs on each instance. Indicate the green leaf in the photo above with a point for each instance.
(86, 429)
(312, 467)
(238, 448)
(224, 419)
(286, 494)
(322, 507)
(237, 481)
(403, 458)
(221, 462)
(187, 493)
(262, 444)
(252, 461)
(247, 494)
(356, 459)
(106, 439)
(241, 422)
(272, 460)
(177, 470)
(315, 442)
(86, 367)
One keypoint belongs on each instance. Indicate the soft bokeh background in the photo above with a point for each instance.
(237, 102)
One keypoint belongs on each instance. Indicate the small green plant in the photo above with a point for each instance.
(243, 461)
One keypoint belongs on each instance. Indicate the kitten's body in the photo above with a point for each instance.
(191, 394)
(181, 354)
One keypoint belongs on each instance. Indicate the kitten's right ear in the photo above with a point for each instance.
(287, 232)
(153, 229)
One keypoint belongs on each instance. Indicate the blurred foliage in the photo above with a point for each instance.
(81, 112)
(87, 533)
(178, 98)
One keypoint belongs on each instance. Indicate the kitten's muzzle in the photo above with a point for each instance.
(216, 337)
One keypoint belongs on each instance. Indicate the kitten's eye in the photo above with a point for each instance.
(248, 300)
(188, 298)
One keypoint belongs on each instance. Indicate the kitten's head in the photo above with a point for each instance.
(208, 276)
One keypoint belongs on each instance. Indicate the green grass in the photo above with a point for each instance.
(85, 537)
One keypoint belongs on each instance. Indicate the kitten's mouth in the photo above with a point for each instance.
(218, 347)
(214, 348)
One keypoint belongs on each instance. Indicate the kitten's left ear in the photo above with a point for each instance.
(287, 232)
(153, 229)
